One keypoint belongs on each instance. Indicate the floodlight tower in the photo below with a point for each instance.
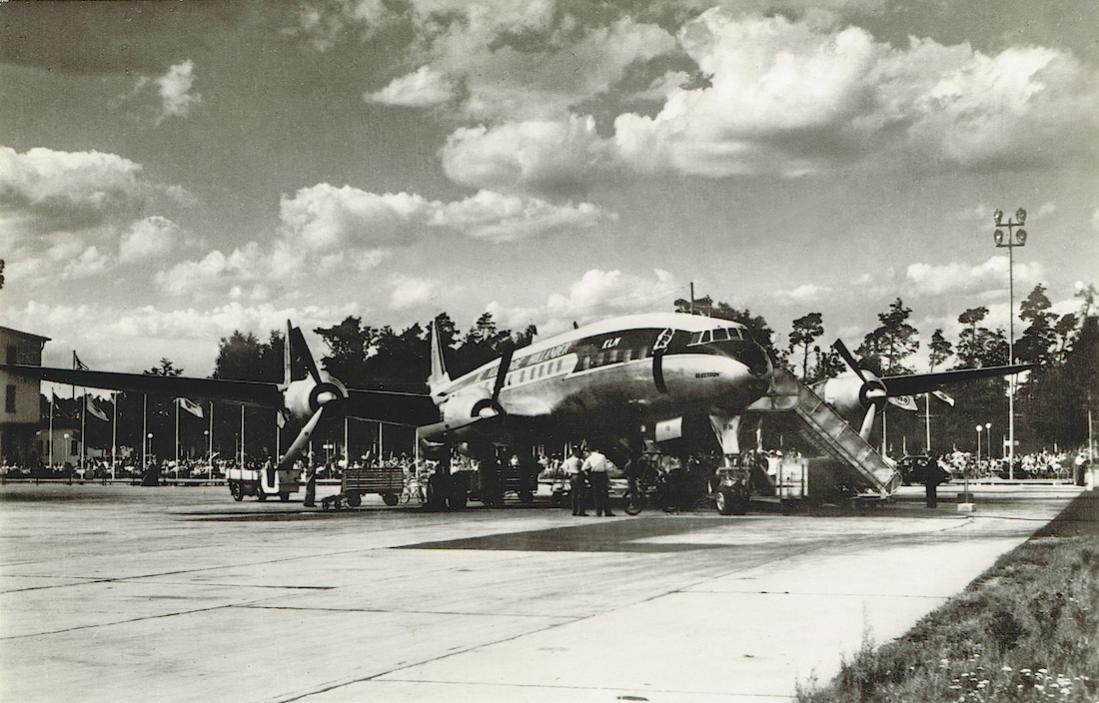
(1014, 238)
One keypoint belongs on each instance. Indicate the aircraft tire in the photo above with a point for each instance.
(390, 499)
(726, 499)
(354, 499)
(236, 491)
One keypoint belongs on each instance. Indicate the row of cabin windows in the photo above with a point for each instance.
(720, 334)
(611, 356)
(540, 371)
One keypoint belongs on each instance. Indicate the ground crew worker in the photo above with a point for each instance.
(310, 485)
(596, 467)
(933, 476)
(572, 468)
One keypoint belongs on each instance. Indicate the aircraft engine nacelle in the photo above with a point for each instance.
(460, 409)
(305, 397)
(849, 394)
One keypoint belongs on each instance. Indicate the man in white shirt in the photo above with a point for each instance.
(572, 468)
(596, 467)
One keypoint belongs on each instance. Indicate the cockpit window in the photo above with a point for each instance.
(720, 335)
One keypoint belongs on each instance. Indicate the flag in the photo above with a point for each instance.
(191, 407)
(78, 364)
(94, 410)
(904, 402)
(943, 397)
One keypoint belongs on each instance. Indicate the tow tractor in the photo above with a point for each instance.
(263, 482)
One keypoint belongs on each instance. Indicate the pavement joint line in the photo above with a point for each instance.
(115, 622)
(255, 606)
(814, 594)
(777, 696)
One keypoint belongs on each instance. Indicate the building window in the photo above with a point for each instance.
(12, 354)
(9, 399)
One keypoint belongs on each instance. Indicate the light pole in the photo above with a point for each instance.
(965, 488)
(988, 441)
(1014, 238)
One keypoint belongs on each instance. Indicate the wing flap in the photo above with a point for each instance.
(393, 407)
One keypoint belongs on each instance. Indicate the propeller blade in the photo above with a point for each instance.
(307, 356)
(287, 356)
(502, 371)
(848, 357)
(868, 422)
(658, 371)
(301, 440)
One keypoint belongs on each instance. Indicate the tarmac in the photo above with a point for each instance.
(114, 593)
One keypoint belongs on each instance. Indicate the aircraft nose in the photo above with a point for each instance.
(755, 358)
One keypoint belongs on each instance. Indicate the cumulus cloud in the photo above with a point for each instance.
(211, 272)
(324, 217)
(805, 293)
(45, 190)
(537, 154)
(132, 338)
(424, 87)
(410, 291)
(960, 277)
(150, 238)
(598, 293)
(174, 88)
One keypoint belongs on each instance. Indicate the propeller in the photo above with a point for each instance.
(323, 391)
(872, 393)
(490, 407)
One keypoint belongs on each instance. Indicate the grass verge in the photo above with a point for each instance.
(1025, 630)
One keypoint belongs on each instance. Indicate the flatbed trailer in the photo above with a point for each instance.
(386, 481)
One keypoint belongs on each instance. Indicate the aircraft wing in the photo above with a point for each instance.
(254, 393)
(412, 409)
(915, 384)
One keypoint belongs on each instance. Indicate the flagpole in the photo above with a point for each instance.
(177, 437)
(52, 396)
(210, 448)
(114, 433)
(381, 450)
(242, 436)
(346, 448)
(927, 418)
(144, 430)
(83, 443)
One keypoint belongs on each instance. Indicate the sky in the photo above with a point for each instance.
(172, 172)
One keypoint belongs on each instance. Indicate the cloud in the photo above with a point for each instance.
(960, 277)
(598, 293)
(150, 238)
(537, 155)
(410, 291)
(174, 88)
(131, 338)
(424, 87)
(324, 217)
(805, 293)
(212, 272)
(45, 190)
(1095, 219)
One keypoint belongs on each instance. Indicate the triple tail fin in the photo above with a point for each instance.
(439, 378)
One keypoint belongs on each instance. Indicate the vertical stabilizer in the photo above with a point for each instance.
(439, 378)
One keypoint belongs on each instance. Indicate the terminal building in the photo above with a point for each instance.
(21, 415)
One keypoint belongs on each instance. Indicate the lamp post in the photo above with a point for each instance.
(1013, 238)
(965, 488)
(988, 442)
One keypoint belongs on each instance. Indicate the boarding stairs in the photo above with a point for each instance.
(831, 435)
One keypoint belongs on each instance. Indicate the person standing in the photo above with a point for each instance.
(596, 467)
(572, 468)
(933, 476)
(310, 485)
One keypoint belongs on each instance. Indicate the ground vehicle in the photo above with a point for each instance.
(262, 482)
(414, 490)
(386, 481)
(913, 468)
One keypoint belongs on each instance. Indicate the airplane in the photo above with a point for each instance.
(614, 379)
